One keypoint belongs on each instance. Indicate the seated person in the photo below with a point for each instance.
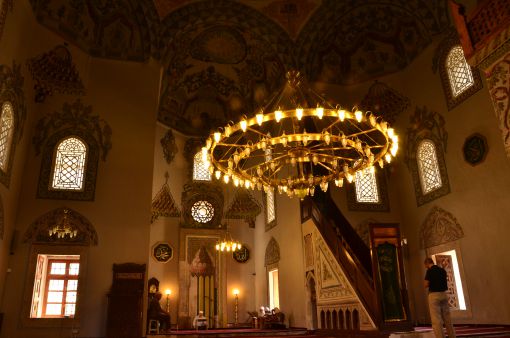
(155, 311)
(275, 320)
(200, 321)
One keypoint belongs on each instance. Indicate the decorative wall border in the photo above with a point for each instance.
(272, 253)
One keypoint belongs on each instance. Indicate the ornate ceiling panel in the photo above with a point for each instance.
(347, 42)
(222, 59)
(120, 29)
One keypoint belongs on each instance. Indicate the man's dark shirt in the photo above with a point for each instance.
(437, 279)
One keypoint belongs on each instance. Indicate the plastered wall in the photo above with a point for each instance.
(125, 95)
(478, 197)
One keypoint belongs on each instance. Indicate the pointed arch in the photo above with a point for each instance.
(458, 78)
(69, 164)
(272, 255)
(6, 134)
(38, 231)
(428, 166)
(439, 227)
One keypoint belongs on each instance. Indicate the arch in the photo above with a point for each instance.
(312, 293)
(459, 80)
(428, 166)
(69, 164)
(11, 93)
(38, 231)
(426, 141)
(355, 320)
(272, 255)
(328, 319)
(46, 176)
(341, 320)
(334, 320)
(323, 320)
(6, 133)
(348, 322)
(439, 227)
(460, 76)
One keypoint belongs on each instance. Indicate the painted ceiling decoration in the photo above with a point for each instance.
(345, 42)
(384, 101)
(224, 58)
(7, 6)
(54, 71)
(120, 29)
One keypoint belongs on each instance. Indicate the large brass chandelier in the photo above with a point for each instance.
(298, 141)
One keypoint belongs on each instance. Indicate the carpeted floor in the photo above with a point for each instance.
(480, 331)
(477, 331)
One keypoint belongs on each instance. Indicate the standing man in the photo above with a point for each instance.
(435, 281)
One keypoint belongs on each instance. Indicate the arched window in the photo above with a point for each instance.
(6, 132)
(270, 197)
(428, 167)
(200, 169)
(69, 164)
(366, 187)
(459, 72)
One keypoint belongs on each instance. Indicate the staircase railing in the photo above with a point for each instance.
(350, 251)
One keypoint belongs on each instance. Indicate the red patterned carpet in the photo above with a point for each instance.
(478, 331)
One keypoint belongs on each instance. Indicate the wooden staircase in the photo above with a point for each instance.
(353, 256)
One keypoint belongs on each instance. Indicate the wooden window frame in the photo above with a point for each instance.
(66, 277)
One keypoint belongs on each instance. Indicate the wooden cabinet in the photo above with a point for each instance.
(125, 301)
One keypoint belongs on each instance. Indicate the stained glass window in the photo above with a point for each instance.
(428, 167)
(366, 187)
(202, 211)
(459, 72)
(6, 131)
(200, 169)
(69, 167)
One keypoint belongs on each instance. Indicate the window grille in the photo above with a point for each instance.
(428, 167)
(459, 72)
(200, 170)
(69, 167)
(366, 187)
(6, 131)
